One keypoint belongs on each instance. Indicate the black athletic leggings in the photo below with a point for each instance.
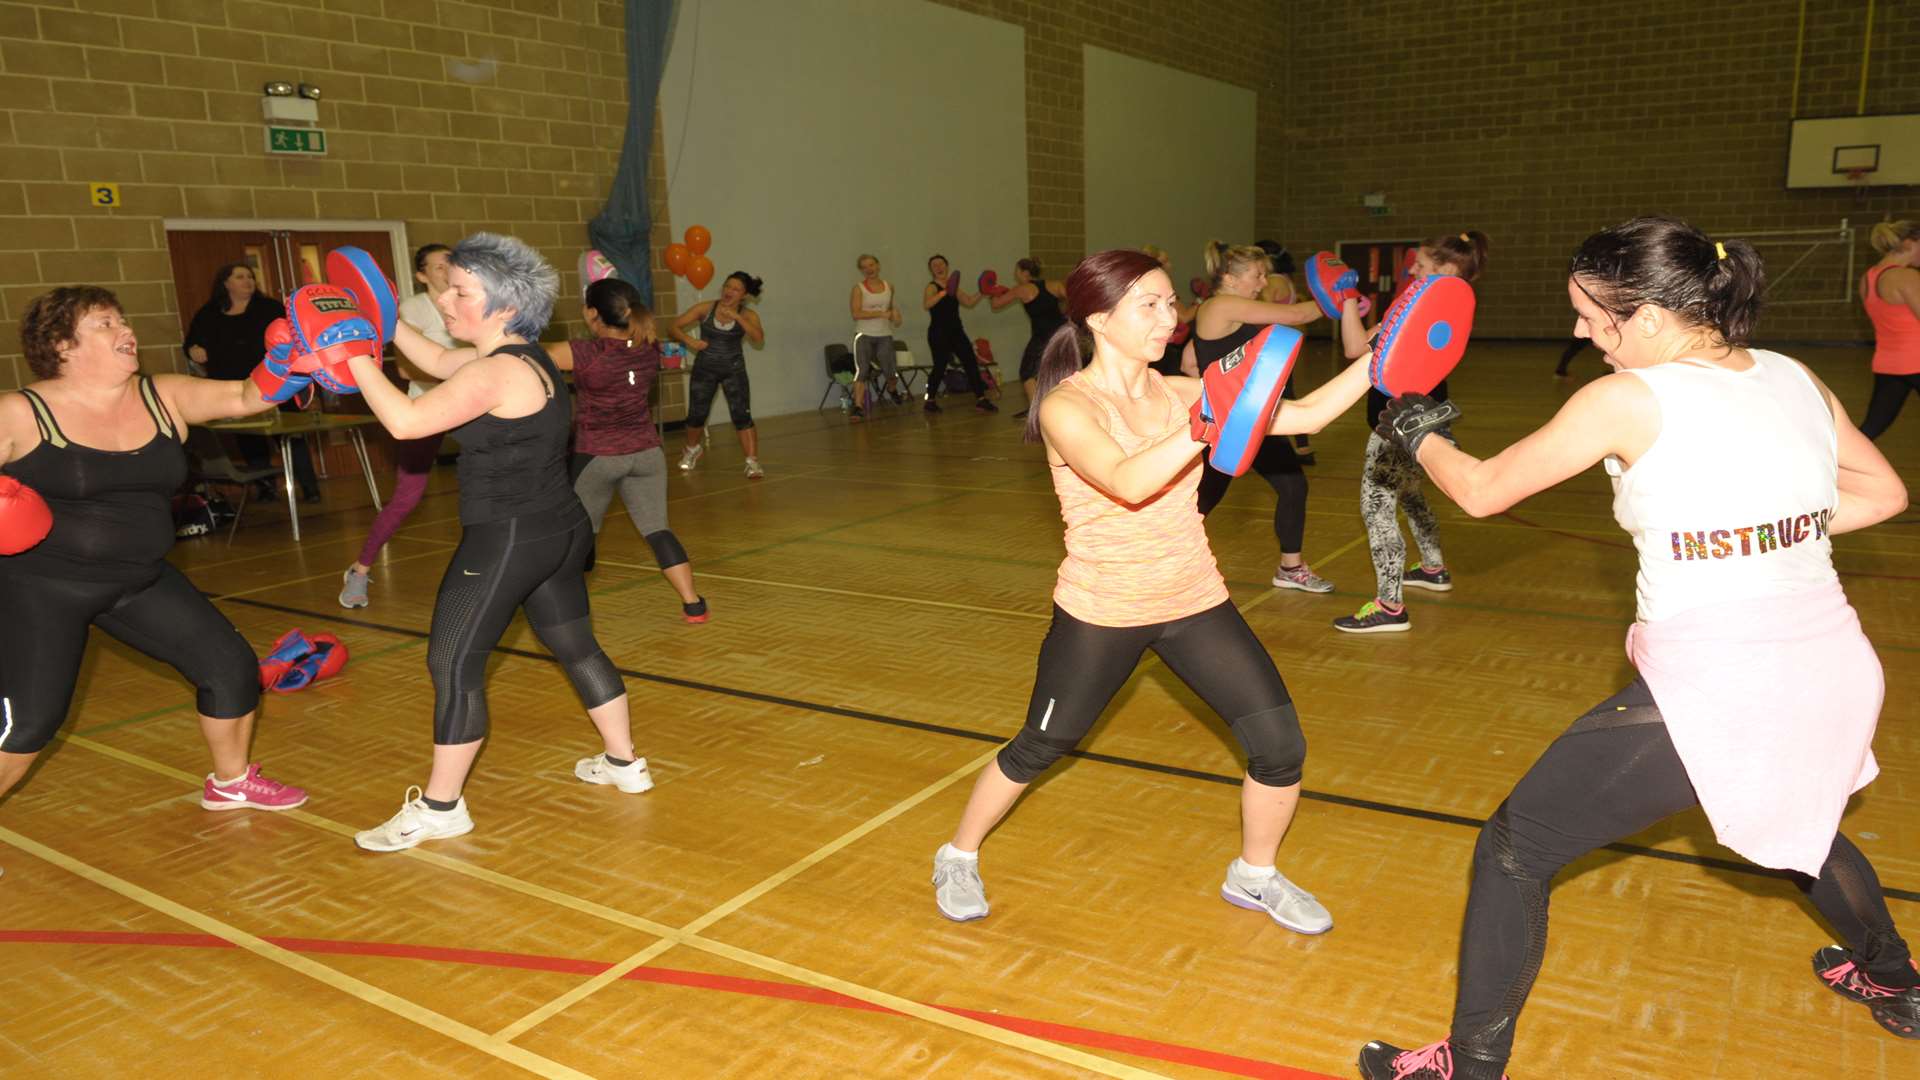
(1083, 665)
(43, 638)
(949, 345)
(1614, 773)
(535, 561)
(1889, 393)
(1279, 466)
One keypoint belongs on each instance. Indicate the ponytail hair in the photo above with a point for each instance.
(747, 281)
(1670, 264)
(1463, 253)
(619, 306)
(1033, 268)
(1223, 259)
(1888, 235)
(1097, 284)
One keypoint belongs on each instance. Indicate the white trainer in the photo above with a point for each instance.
(632, 778)
(754, 471)
(691, 457)
(957, 888)
(1286, 903)
(416, 822)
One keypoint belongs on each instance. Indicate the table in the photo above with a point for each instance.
(285, 425)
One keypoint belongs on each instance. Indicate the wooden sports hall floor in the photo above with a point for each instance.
(878, 601)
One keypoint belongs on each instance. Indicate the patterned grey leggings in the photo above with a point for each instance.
(1390, 480)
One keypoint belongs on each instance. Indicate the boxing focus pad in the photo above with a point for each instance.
(328, 329)
(354, 270)
(953, 283)
(1422, 336)
(1333, 283)
(1238, 395)
(25, 518)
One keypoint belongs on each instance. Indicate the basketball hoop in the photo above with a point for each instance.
(1857, 179)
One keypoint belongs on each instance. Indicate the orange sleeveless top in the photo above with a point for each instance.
(1896, 331)
(1135, 565)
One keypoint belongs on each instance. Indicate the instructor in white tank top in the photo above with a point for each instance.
(874, 317)
(1757, 693)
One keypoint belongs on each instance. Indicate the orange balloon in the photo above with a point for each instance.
(700, 271)
(678, 258)
(699, 239)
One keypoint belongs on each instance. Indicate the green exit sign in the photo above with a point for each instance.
(309, 141)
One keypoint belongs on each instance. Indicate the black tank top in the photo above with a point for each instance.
(723, 346)
(112, 509)
(1207, 350)
(1043, 311)
(512, 468)
(944, 315)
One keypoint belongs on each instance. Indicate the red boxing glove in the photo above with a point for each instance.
(1199, 288)
(281, 375)
(990, 284)
(25, 518)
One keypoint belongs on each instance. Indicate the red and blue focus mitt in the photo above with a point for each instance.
(1333, 283)
(354, 270)
(990, 284)
(1238, 395)
(1422, 336)
(328, 328)
(25, 518)
(279, 375)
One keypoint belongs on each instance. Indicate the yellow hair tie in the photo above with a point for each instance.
(1720, 251)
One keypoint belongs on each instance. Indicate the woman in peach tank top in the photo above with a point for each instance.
(1139, 575)
(1890, 291)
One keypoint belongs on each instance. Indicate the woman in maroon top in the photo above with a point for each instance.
(615, 445)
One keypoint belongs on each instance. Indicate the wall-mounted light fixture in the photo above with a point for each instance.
(283, 102)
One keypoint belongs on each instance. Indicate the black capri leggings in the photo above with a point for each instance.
(1280, 467)
(1082, 666)
(950, 345)
(1889, 393)
(43, 638)
(1614, 773)
(704, 379)
(536, 561)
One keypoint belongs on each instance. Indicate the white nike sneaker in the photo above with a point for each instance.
(1284, 902)
(416, 822)
(632, 778)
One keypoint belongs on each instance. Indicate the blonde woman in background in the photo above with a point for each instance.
(1890, 290)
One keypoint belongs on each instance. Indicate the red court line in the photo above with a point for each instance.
(1172, 1053)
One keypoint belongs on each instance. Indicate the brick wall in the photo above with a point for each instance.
(1540, 123)
(163, 96)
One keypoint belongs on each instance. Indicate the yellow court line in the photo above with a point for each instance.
(769, 964)
(825, 851)
(284, 582)
(843, 592)
(346, 984)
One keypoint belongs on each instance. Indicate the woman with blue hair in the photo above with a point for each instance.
(524, 535)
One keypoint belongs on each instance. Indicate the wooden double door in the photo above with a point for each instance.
(282, 259)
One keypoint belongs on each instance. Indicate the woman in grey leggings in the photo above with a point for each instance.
(614, 441)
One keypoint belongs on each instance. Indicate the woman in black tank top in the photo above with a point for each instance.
(1041, 298)
(525, 538)
(99, 444)
(947, 340)
(1229, 318)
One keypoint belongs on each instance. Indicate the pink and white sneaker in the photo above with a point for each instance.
(251, 792)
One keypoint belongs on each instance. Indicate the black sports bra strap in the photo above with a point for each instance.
(536, 358)
(150, 394)
(50, 432)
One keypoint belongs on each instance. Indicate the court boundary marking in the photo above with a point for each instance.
(1173, 1053)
